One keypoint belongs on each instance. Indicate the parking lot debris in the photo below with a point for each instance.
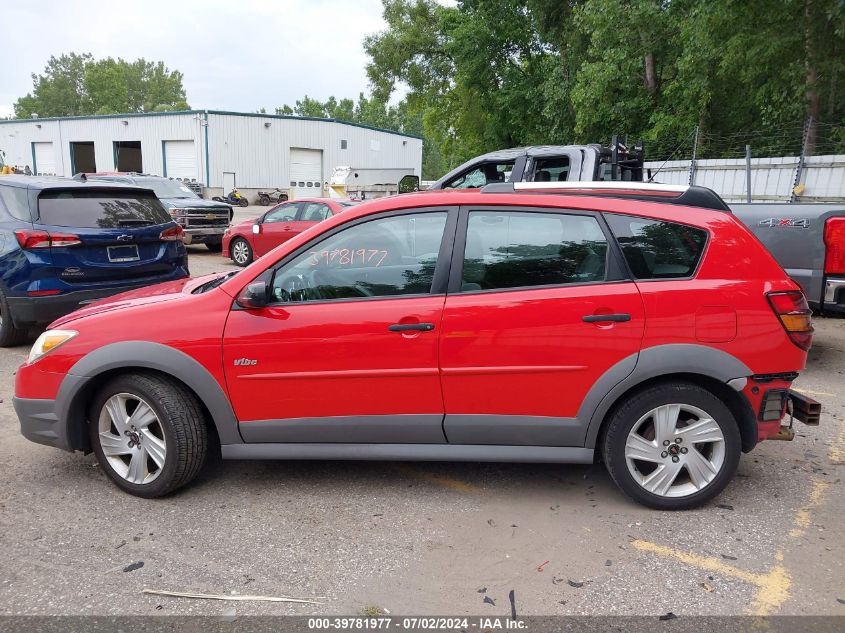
(724, 506)
(707, 587)
(608, 563)
(840, 601)
(668, 616)
(489, 600)
(556, 580)
(482, 590)
(134, 566)
(575, 584)
(491, 523)
(512, 598)
(728, 557)
(119, 545)
(541, 565)
(215, 596)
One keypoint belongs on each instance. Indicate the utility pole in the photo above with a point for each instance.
(692, 162)
(800, 168)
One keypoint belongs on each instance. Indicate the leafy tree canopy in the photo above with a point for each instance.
(74, 84)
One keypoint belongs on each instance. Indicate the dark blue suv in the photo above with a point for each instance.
(64, 244)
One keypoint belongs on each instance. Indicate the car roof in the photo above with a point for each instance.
(56, 182)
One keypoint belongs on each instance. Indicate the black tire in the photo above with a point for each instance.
(264, 201)
(249, 254)
(10, 336)
(283, 197)
(214, 247)
(623, 419)
(181, 420)
(243, 202)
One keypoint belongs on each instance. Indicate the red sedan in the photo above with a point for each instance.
(251, 239)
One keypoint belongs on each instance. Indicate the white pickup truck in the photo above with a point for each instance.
(808, 240)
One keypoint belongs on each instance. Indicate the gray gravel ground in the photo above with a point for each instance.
(428, 538)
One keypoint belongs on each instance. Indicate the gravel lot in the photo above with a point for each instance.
(428, 538)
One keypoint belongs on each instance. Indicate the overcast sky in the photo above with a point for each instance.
(235, 55)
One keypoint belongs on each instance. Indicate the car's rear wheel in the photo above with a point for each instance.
(241, 251)
(149, 434)
(672, 446)
(10, 335)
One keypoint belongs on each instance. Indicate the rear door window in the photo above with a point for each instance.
(523, 249)
(552, 169)
(656, 249)
(100, 209)
(485, 174)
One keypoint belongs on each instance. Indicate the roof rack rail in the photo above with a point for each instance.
(690, 196)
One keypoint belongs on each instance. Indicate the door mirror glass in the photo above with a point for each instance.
(409, 184)
(253, 296)
(256, 228)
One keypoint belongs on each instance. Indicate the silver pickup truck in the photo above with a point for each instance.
(808, 240)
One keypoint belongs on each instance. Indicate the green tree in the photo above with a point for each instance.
(75, 84)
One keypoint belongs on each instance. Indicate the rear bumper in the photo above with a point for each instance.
(32, 311)
(834, 294)
(203, 236)
(40, 423)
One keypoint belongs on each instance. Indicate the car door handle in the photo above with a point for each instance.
(410, 327)
(601, 318)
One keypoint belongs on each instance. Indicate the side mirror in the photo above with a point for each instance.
(409, 184)
(255, 295)
(256, 228)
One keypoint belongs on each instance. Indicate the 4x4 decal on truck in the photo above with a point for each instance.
(800, 223)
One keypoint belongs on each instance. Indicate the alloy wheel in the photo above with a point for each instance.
(240, 252)
(675, 450)
(132, 438)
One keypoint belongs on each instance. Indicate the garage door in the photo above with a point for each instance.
(45, 159)
(306, 172)
(180, 160)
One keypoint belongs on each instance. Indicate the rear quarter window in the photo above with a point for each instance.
(656, 249)
(100, 209)
(16, 202)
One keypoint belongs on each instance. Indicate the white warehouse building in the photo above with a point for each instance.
(220, 150)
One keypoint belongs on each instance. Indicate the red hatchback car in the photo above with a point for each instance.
(251, 239)
(522, 323)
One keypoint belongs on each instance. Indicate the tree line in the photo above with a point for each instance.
(488, 74)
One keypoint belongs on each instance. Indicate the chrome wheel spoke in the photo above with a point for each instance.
(114, 445)
(662, 478)
(116, 408)
(704, 430)
(701, 470)
(638, 447)
(155, 448)
(665, 421)
(143, 416)
(137, 466)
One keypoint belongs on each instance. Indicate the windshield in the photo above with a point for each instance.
(165, 188)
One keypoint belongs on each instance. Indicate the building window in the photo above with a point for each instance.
(343, 143)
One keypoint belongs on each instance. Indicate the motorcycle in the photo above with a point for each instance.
(234, 198)
(267, 198)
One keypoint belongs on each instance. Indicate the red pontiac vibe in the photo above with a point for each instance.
(251, 239)
(527, 322)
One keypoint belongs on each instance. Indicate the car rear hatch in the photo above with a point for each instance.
(107, 235)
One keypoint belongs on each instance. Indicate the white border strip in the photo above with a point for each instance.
(610, 185)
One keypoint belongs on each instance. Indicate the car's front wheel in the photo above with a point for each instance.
(673, 446)
(240, 251)
(149, 434)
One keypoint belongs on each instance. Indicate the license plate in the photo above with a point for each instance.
(123, 253)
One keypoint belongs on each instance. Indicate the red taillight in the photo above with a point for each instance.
(173, 234)
(42, 293)
(42, 239)
(795, 316)
(834, 241)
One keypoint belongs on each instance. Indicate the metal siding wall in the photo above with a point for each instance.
(260, 156)
(771, 178)
(16, 138)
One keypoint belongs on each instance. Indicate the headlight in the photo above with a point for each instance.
(48, 341)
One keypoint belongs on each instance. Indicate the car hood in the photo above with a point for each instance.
(193, 203)
(167, 291)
